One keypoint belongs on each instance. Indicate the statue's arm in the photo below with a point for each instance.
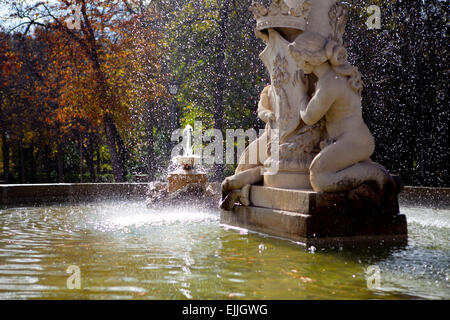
(317, 107)
(264, 110)
(304, 104)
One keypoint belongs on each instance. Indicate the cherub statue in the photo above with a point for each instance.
(344, 161)
(237, 187)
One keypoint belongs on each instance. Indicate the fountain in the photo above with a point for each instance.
(326, 187)
(187, 176)
(186, 185)
(124, 250)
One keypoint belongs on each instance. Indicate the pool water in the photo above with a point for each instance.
(124, 250)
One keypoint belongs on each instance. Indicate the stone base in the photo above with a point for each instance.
(288, 180)
(180, 179)
(311, 217)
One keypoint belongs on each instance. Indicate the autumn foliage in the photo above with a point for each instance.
(76, 90)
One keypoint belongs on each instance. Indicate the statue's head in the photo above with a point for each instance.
(310, 50)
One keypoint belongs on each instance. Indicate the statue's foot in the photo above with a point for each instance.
(226, 185)
(229, 201)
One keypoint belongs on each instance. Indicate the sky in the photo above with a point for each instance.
(5, 10)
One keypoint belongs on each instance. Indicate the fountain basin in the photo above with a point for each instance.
(127, 251)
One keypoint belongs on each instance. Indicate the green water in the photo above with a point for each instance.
(126, 251)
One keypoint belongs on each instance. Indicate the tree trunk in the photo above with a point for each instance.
(150, 140)
(116, 158)
(220, 78)
(113, 139)
(99, 163)
(60, 154)
(121, 150)
(47, 163)
(5, 149)
(33, 165)
(21, 162)
(81, 157)
(89, 155)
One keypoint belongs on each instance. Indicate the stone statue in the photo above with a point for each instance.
(314, 134)
(279, 107)
(344, 162)
(325, 186)
(288, 144)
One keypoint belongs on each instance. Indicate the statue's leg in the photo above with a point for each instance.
(350, 178)
(254, 155)
(248, 172)
(229, 201)
(345, 165)
(237, 181)
(249, 167)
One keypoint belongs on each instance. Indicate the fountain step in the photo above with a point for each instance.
(283, 199)
(310, 229)
(311, 217)
(314, 203)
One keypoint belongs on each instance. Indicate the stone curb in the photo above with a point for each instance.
(15, 194)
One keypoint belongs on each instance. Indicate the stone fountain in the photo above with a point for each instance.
(187, 175)
(186, 185)
(325, 188)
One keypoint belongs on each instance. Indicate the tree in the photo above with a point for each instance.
(94, 64)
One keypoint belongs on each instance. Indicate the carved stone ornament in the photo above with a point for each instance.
(281, 15)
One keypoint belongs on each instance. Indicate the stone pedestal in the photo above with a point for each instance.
(318, 218)
(288, 180)
(180, 179)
